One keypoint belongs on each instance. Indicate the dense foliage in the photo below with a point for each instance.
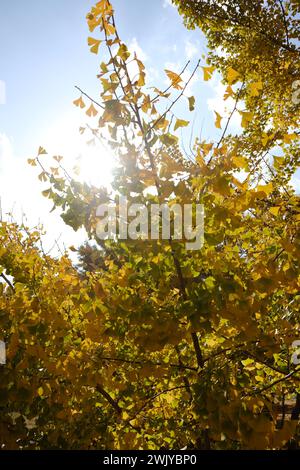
(146, 344)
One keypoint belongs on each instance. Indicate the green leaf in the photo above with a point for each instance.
(210, 282)
(247, 362)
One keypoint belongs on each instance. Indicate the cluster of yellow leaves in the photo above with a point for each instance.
(148, 344)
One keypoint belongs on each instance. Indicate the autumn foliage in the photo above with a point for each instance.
(145, 344)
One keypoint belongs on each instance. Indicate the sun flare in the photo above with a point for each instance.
(85, 158)
(95, 165)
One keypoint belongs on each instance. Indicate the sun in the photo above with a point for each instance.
(84, 158)
(95, 164)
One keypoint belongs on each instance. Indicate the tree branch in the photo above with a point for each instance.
(7, 281)
(85, 94)
(141, 363)
(285, 23)
(267, 387)
(110, 400)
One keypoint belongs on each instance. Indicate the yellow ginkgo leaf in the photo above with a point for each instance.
(259, 378)
(123, 52)
(288, 138)
(206, 148)
(232, 75)
(247, 362)
(175, 79)
(109, 28)
(255, 88)
(94, 43)
(207, 72)
(265, 139)
(278, 162)
(146, 106)
(79, 102)
(41, 151)
(228, 92)
(274, 210)
(218, 120)
(240, 162)
(43, 176)
(247, 117)
(40, 391)
(54, 171)
(267, 189)
(92, 111)
(180, 123)
(125, 415)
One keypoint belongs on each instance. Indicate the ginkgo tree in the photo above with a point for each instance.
(145, 344)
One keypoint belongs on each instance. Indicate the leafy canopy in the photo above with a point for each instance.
(146, 344)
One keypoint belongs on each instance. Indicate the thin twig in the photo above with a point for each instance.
(176, 99)
(110, 400)
(170, 86)
(285, 23)
(92, 99)
(7, 281)
(267, 387)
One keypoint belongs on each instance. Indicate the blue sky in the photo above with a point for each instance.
(44, 53)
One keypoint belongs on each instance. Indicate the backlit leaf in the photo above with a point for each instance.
(180, 123)
(94, 43)
(218, 120)
(207, 72)
(175, 79)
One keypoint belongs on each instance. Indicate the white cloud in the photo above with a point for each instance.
(224, 108)
(177, 68)
(190, 49)
(133, 69)
(20, 189)
(6, 151)
(151, 72)
(221, 52)
(135, 47)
